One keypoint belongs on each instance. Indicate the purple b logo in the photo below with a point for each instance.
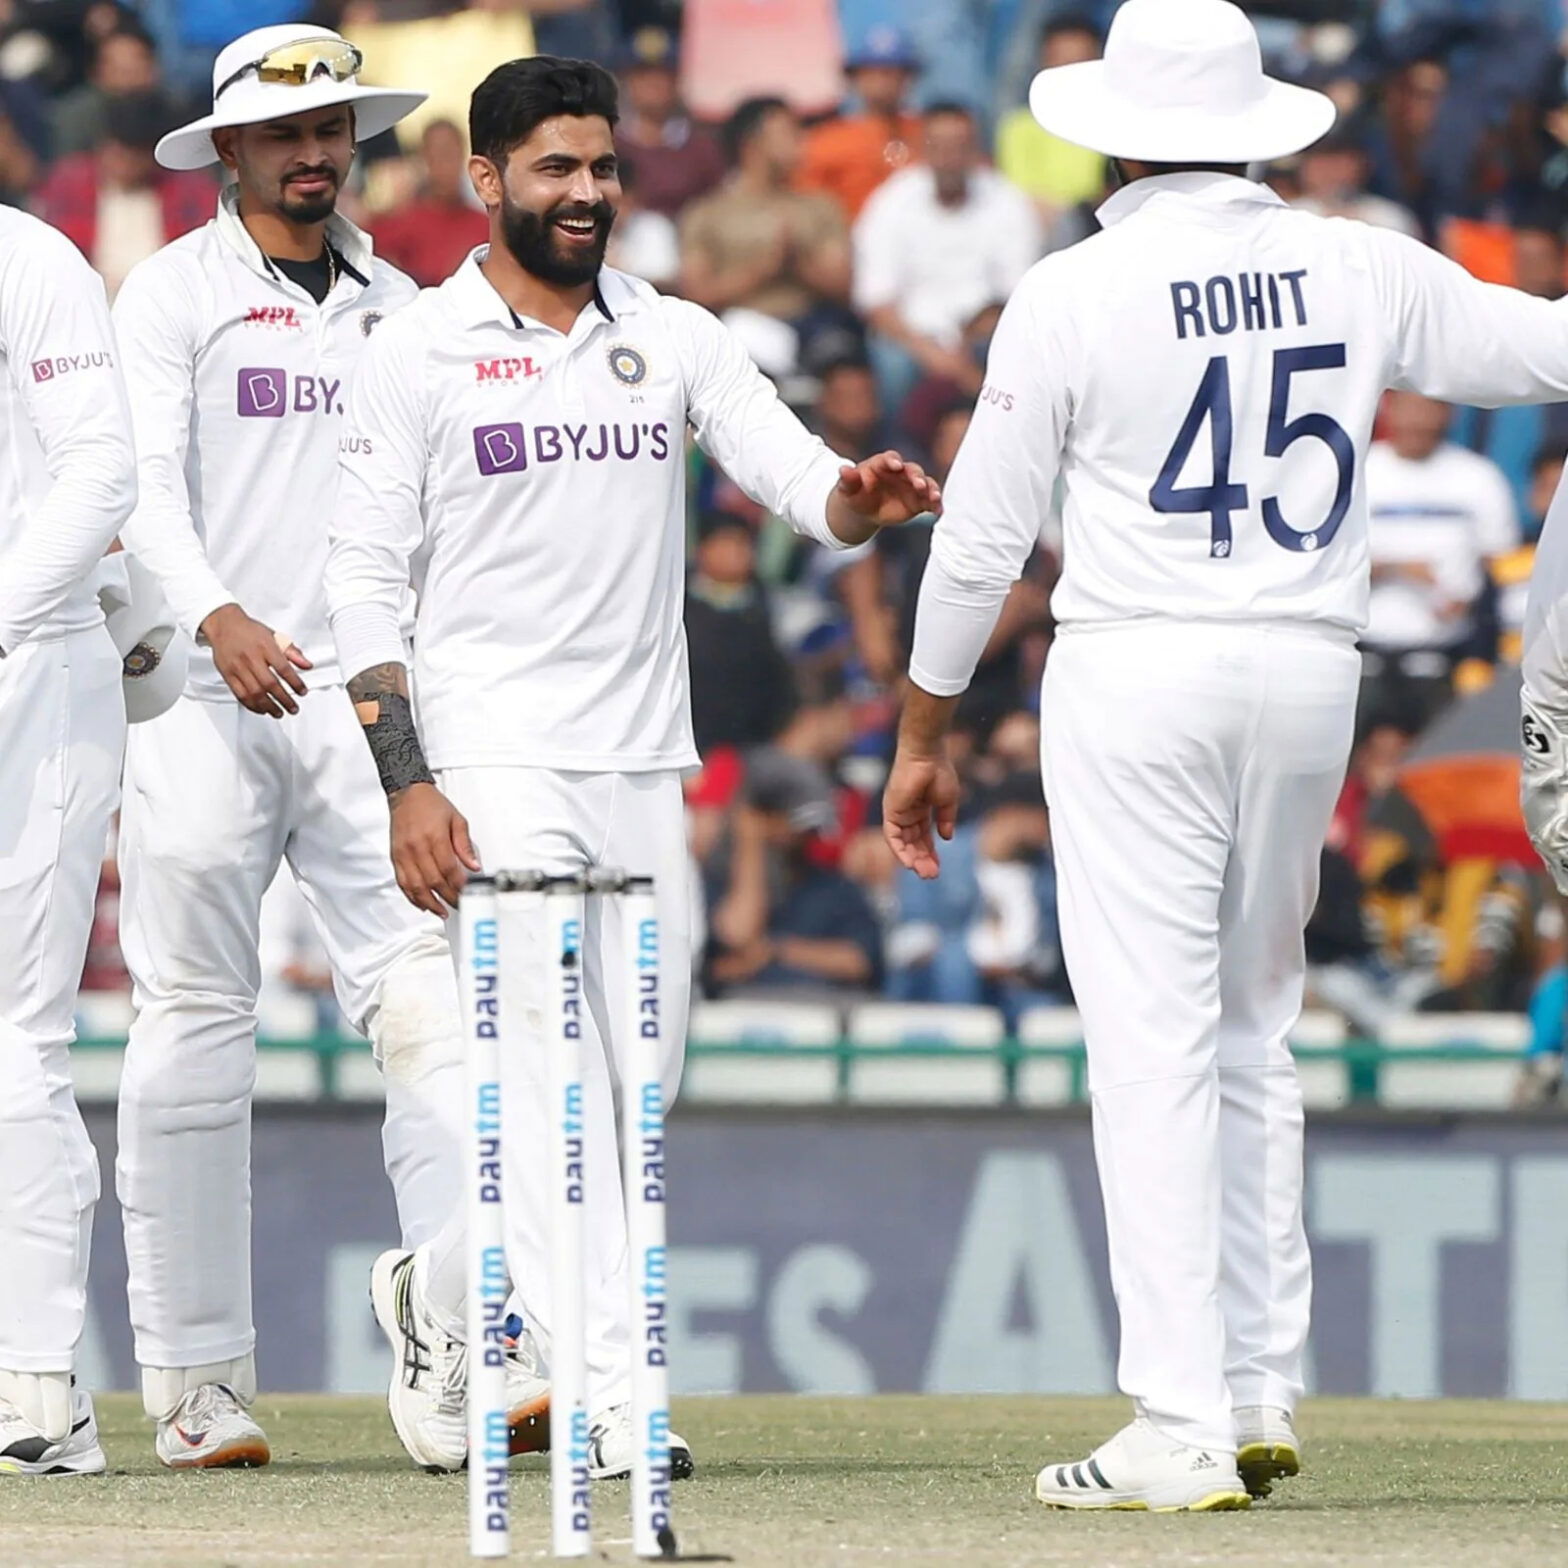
(264, 394)
(501, 449)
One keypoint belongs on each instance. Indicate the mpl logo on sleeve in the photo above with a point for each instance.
(64, 364)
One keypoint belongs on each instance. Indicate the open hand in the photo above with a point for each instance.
(887, 489)
(922, 791)
(432, 853)
(261, 666)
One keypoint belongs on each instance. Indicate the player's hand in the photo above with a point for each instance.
(887, 489)
(432, 853)
(261, 666)
(922, 792)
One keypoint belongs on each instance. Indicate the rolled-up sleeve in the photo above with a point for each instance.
(997, 497)
(52, 305)
(747, 429)
(156, 315)
(378, 522)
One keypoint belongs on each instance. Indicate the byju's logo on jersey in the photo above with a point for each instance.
(266, 393)
(64, 364)
(506, 449)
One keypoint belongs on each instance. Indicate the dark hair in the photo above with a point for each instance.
(518, 97)
(943, 106)
(745, 122)
(139, 119)
(1070, 22)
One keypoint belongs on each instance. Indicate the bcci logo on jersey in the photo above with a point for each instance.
(628, 366)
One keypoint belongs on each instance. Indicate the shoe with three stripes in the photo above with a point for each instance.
(1267, 1448)
(1141, 1468)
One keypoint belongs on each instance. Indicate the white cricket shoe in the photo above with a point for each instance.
(210, 1429)
(1140, 1468)
(527, 1392)
(427, 1396)
(24, 1450)
(1267, 1448)
(610, 1446)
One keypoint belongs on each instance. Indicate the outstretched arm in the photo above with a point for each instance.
(432, 853)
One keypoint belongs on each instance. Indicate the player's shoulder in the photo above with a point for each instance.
(180, 269)
(682, 318)
(411, 324)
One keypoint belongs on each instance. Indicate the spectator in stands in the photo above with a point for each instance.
(880, 590)
(429, 236)
(643, 243)
(1055, 173)
(1332, 180)
(848, 412)
(742, 692)
(116, 203)
(1437, 516)
(934, 396)
(786, 921)
(676, 159)
(1412, 163)
(759, 248)
(934, 244)
(124, 61)
(848, 156)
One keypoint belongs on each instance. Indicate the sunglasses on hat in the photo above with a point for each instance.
(300, 63)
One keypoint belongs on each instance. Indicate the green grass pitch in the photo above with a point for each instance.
(893, 1480)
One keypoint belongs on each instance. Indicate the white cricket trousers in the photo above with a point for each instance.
(541, 819)
(1191, 770)
(215, 798)
(62, 731)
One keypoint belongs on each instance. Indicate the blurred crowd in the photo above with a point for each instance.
(856, 187)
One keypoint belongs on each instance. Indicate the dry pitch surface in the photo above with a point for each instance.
(806, 1482)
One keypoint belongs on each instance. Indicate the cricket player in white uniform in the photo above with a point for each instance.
(1202, 377)
(67, 485)
(515, 438)
(241, 340)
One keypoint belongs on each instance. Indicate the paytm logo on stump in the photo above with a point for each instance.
(505, 449)
(270, 394)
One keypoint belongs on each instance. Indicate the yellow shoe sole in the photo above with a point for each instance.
(1260, 1465)
(1214, 1503)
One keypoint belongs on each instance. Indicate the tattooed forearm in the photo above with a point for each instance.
(380, 698)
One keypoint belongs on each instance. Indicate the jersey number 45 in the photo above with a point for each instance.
(1220, 498)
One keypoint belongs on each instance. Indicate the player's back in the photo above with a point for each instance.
(1223, 358)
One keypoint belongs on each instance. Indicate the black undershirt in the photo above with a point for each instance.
(315, 277)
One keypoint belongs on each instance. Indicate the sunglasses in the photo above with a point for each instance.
(299, 64)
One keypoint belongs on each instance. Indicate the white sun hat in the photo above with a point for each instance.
(274, 72)
(1181, 82)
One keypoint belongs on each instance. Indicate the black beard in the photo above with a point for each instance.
(531, 240)
(308, 209)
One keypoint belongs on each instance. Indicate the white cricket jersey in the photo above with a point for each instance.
(534, 482)
(68, 473)
(1203, 376)
(1451, 512)
(238, 381)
